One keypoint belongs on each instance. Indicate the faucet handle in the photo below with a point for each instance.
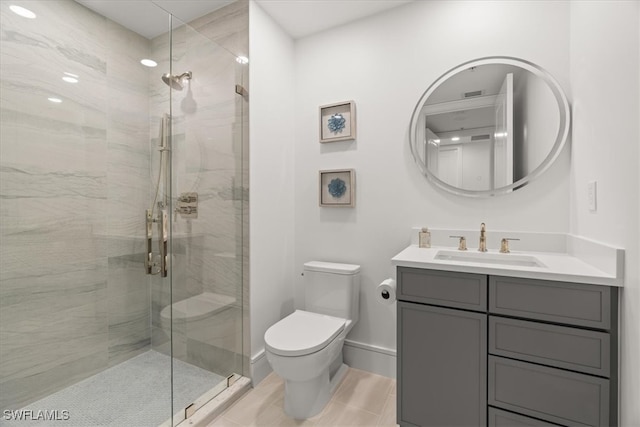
(462, 244)
(504, 245)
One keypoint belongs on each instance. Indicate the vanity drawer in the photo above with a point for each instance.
(551, 394)
(500, 418)
(559, 346)
(560, 302)
(450, 289)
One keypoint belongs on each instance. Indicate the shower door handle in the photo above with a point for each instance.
(164, 237)
(148, 260)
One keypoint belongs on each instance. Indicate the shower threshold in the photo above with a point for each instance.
(215, 406)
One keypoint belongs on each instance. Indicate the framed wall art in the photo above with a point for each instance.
(338, 122)
(338, 188)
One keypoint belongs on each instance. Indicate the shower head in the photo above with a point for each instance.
(175, 82)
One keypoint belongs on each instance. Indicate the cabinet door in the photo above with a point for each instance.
(442, 360)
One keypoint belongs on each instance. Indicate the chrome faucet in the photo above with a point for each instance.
(483, 239)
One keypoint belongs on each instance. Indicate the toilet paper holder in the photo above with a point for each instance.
(386, 292)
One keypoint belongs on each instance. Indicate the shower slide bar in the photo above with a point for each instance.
(163, 217)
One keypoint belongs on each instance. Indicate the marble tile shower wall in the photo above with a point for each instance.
(129, 186)
(207, 159)
(74, 183)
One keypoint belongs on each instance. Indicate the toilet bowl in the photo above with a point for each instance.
(305, 348)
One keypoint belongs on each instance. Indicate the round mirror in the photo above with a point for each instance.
(489, 126)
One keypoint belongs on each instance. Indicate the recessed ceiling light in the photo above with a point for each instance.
(148, 62)
(437, 141)
(19, 10)
(455, 138)
(71, 75)
(55, 100)
(69, 79)
(242, 60)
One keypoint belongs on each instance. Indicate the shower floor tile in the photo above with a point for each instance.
(135, 393)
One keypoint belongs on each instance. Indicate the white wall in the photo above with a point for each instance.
(271, 178)
(605, 74)
(385, 63)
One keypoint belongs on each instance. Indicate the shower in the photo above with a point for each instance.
(176, 82)
(126, 320)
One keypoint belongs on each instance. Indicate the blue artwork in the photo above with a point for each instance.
(337, 188)
(336, 123)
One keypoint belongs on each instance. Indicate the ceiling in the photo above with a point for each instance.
(148, 19)
(299, 18)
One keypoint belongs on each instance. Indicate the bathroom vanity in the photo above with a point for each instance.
(492, 337)
(483, 346)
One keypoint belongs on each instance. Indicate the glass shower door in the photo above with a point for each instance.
(206, 204)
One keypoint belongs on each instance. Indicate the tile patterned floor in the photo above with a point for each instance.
(134, 393)
(363, 399)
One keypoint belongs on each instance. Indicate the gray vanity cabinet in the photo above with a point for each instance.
(442, 348)
(477, 350)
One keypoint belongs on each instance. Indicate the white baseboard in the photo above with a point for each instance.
(260, 367)
(366, 357)
(370, 358)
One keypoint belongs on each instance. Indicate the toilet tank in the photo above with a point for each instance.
(333, 289)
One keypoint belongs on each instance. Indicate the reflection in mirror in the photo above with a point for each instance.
(489, 126)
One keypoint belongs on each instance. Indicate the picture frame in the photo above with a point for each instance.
(338, 122)
(337, 188)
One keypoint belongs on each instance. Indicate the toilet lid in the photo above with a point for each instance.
(302, 333)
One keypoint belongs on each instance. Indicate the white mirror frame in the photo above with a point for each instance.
(417, 126)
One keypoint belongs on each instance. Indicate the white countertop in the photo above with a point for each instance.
(557, 266)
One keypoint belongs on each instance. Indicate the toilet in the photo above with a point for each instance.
(305, 348)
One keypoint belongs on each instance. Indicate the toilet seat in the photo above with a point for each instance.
(302, 333)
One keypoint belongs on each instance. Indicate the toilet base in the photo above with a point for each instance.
(338, 377)
(305, 399)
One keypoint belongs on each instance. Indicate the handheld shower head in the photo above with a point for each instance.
(176, 82)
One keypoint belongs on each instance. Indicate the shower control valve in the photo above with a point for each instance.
(187, 205)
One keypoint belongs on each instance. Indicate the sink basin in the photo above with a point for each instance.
(492, 258)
